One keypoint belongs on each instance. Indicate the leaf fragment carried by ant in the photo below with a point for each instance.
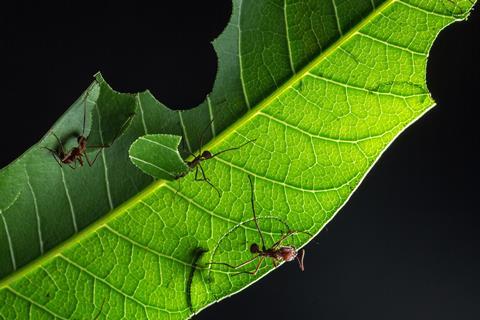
(157, 155)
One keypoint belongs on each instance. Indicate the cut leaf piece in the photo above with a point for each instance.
(158, 156)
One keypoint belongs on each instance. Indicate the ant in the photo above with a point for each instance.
(77, 153)
(196, 163)
(277, 252)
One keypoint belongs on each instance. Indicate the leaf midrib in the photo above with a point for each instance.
(156, 185)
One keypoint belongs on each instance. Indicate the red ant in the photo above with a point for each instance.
(77, 153)
(196, 163)
(277, 252)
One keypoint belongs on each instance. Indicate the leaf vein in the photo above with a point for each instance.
(287, 33)
(33, 302)
(407, 4)
(349, 86)
(142, 116)
(240, 62)
(72, 211)
(9, 240)
(337, 18)
(290, 186)
(158, 144)
(104, 161)
(37, 213)
(213, 214)
(336, 140)
(184, 131)
(108, 284)
(151, 164)
(139, 245)
(389, 44)
(210, 113)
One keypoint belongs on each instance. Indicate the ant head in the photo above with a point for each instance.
(254, 248)
(287, 253)
(206, 154)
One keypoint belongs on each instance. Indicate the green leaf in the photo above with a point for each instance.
(323, 86)
(158, 156)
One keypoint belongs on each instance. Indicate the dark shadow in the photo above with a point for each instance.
(197, 254)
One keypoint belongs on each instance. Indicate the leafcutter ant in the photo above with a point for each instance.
(77, 153)
(278, 252)
(196, 163)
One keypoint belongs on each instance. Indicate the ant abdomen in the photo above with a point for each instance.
(287, 253)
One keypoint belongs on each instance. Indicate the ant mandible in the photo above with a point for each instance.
(77, 153)
(196, 163)
(277, 252)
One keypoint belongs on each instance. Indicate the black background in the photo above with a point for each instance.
(404, 247)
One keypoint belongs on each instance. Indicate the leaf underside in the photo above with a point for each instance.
(323, 86)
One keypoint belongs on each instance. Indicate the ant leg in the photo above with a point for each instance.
(203, 135)
(300, 258)
(275, 263)
(59, 142)
(129, 119)
(90, 163)
(179, 187)
(207, 181)
(103, 146)
(85, 111)
(204, 177)
(235, 148)
(74, 166)
(56, 159)
(283, 238)
(236, 267)
(184, 148)
(252, 199)
(54, 155)
(256, 269)
(288, 234)
(196, 174)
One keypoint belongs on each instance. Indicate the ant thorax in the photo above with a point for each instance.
(82, 143)
(192, 164)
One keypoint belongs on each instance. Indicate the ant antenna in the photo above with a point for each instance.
(254, 215)
(203, 134)
(59, 142)
(85, 111)
(235, 148)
